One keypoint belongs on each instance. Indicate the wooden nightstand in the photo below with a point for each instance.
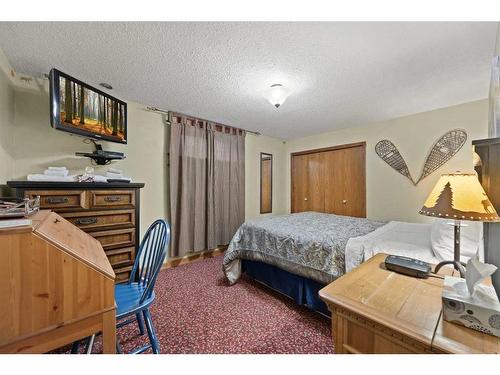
(378, 311)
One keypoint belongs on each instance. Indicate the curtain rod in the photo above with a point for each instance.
(159, 110)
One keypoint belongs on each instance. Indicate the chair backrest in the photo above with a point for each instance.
(150, 257)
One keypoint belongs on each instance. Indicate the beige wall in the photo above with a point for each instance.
(254, 145)
(6, 121)
(390, 196)
(25, 123)
(44, 146)
(28, 144)
(497, 44)
(146, 153)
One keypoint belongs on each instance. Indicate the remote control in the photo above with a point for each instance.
(408, 266)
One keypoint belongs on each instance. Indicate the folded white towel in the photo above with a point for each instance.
(115, 171)
(56, 172)
(48, 178)
(99, 178)
(114, 175)
(57, 168)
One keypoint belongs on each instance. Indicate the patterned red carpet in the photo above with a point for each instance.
(197, 312)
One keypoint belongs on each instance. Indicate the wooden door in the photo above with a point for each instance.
(354, 184)
(299, 183)
(308, 188)
(316, 182)
(330, 180)
(334, 180)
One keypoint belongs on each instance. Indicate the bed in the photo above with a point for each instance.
(298, 254)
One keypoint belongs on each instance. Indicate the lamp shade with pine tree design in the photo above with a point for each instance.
(459, 196)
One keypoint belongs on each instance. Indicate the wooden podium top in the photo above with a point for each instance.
(68, 238)
(56, 286)
(74, 242)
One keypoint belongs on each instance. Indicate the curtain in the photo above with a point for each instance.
(207, 184)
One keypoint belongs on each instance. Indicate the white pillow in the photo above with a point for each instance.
(471, 239)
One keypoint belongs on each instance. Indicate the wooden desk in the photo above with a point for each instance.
(378, 311)
(56, 286)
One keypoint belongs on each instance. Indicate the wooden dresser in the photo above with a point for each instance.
(109, 212)
(378, 311)
(56, 287)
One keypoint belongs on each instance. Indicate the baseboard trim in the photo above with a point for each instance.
(190, 258)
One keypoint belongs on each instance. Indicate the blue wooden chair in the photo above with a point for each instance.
(134, 297)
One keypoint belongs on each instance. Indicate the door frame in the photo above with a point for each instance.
(325, 149)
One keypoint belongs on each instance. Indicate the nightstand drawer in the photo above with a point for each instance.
(357, 335)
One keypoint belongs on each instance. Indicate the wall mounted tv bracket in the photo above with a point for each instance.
(100, 156)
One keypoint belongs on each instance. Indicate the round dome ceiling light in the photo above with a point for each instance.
(277, 94)
(106, 85)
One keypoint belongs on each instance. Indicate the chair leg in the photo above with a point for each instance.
(90, 344)
(75, 347)
(155, 344)
(140, 323)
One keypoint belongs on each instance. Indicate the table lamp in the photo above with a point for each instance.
(458, 196)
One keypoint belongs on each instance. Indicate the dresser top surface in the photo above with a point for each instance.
(73, 185)
(404, 304)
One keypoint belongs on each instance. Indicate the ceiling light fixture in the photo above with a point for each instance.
(277, 94)
(106, 85)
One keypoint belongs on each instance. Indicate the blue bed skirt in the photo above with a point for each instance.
(302, 290)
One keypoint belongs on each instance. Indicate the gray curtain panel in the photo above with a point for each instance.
(226, 185)
(207, 184)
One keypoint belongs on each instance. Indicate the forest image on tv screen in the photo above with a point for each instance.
(87, 110)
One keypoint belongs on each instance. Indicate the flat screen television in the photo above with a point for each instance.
(79, 108)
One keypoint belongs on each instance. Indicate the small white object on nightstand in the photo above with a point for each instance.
(479, 311)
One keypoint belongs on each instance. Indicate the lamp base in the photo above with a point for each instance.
(459, 266)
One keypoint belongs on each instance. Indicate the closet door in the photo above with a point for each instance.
(299, 183)
(330, 180)
(308, 188)
(316, 182)
(354, 187)
(334, 182)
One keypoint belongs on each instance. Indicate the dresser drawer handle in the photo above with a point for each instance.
(113, 198)
(57, 200)
(86, 221)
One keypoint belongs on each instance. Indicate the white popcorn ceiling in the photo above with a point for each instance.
(340, 74)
